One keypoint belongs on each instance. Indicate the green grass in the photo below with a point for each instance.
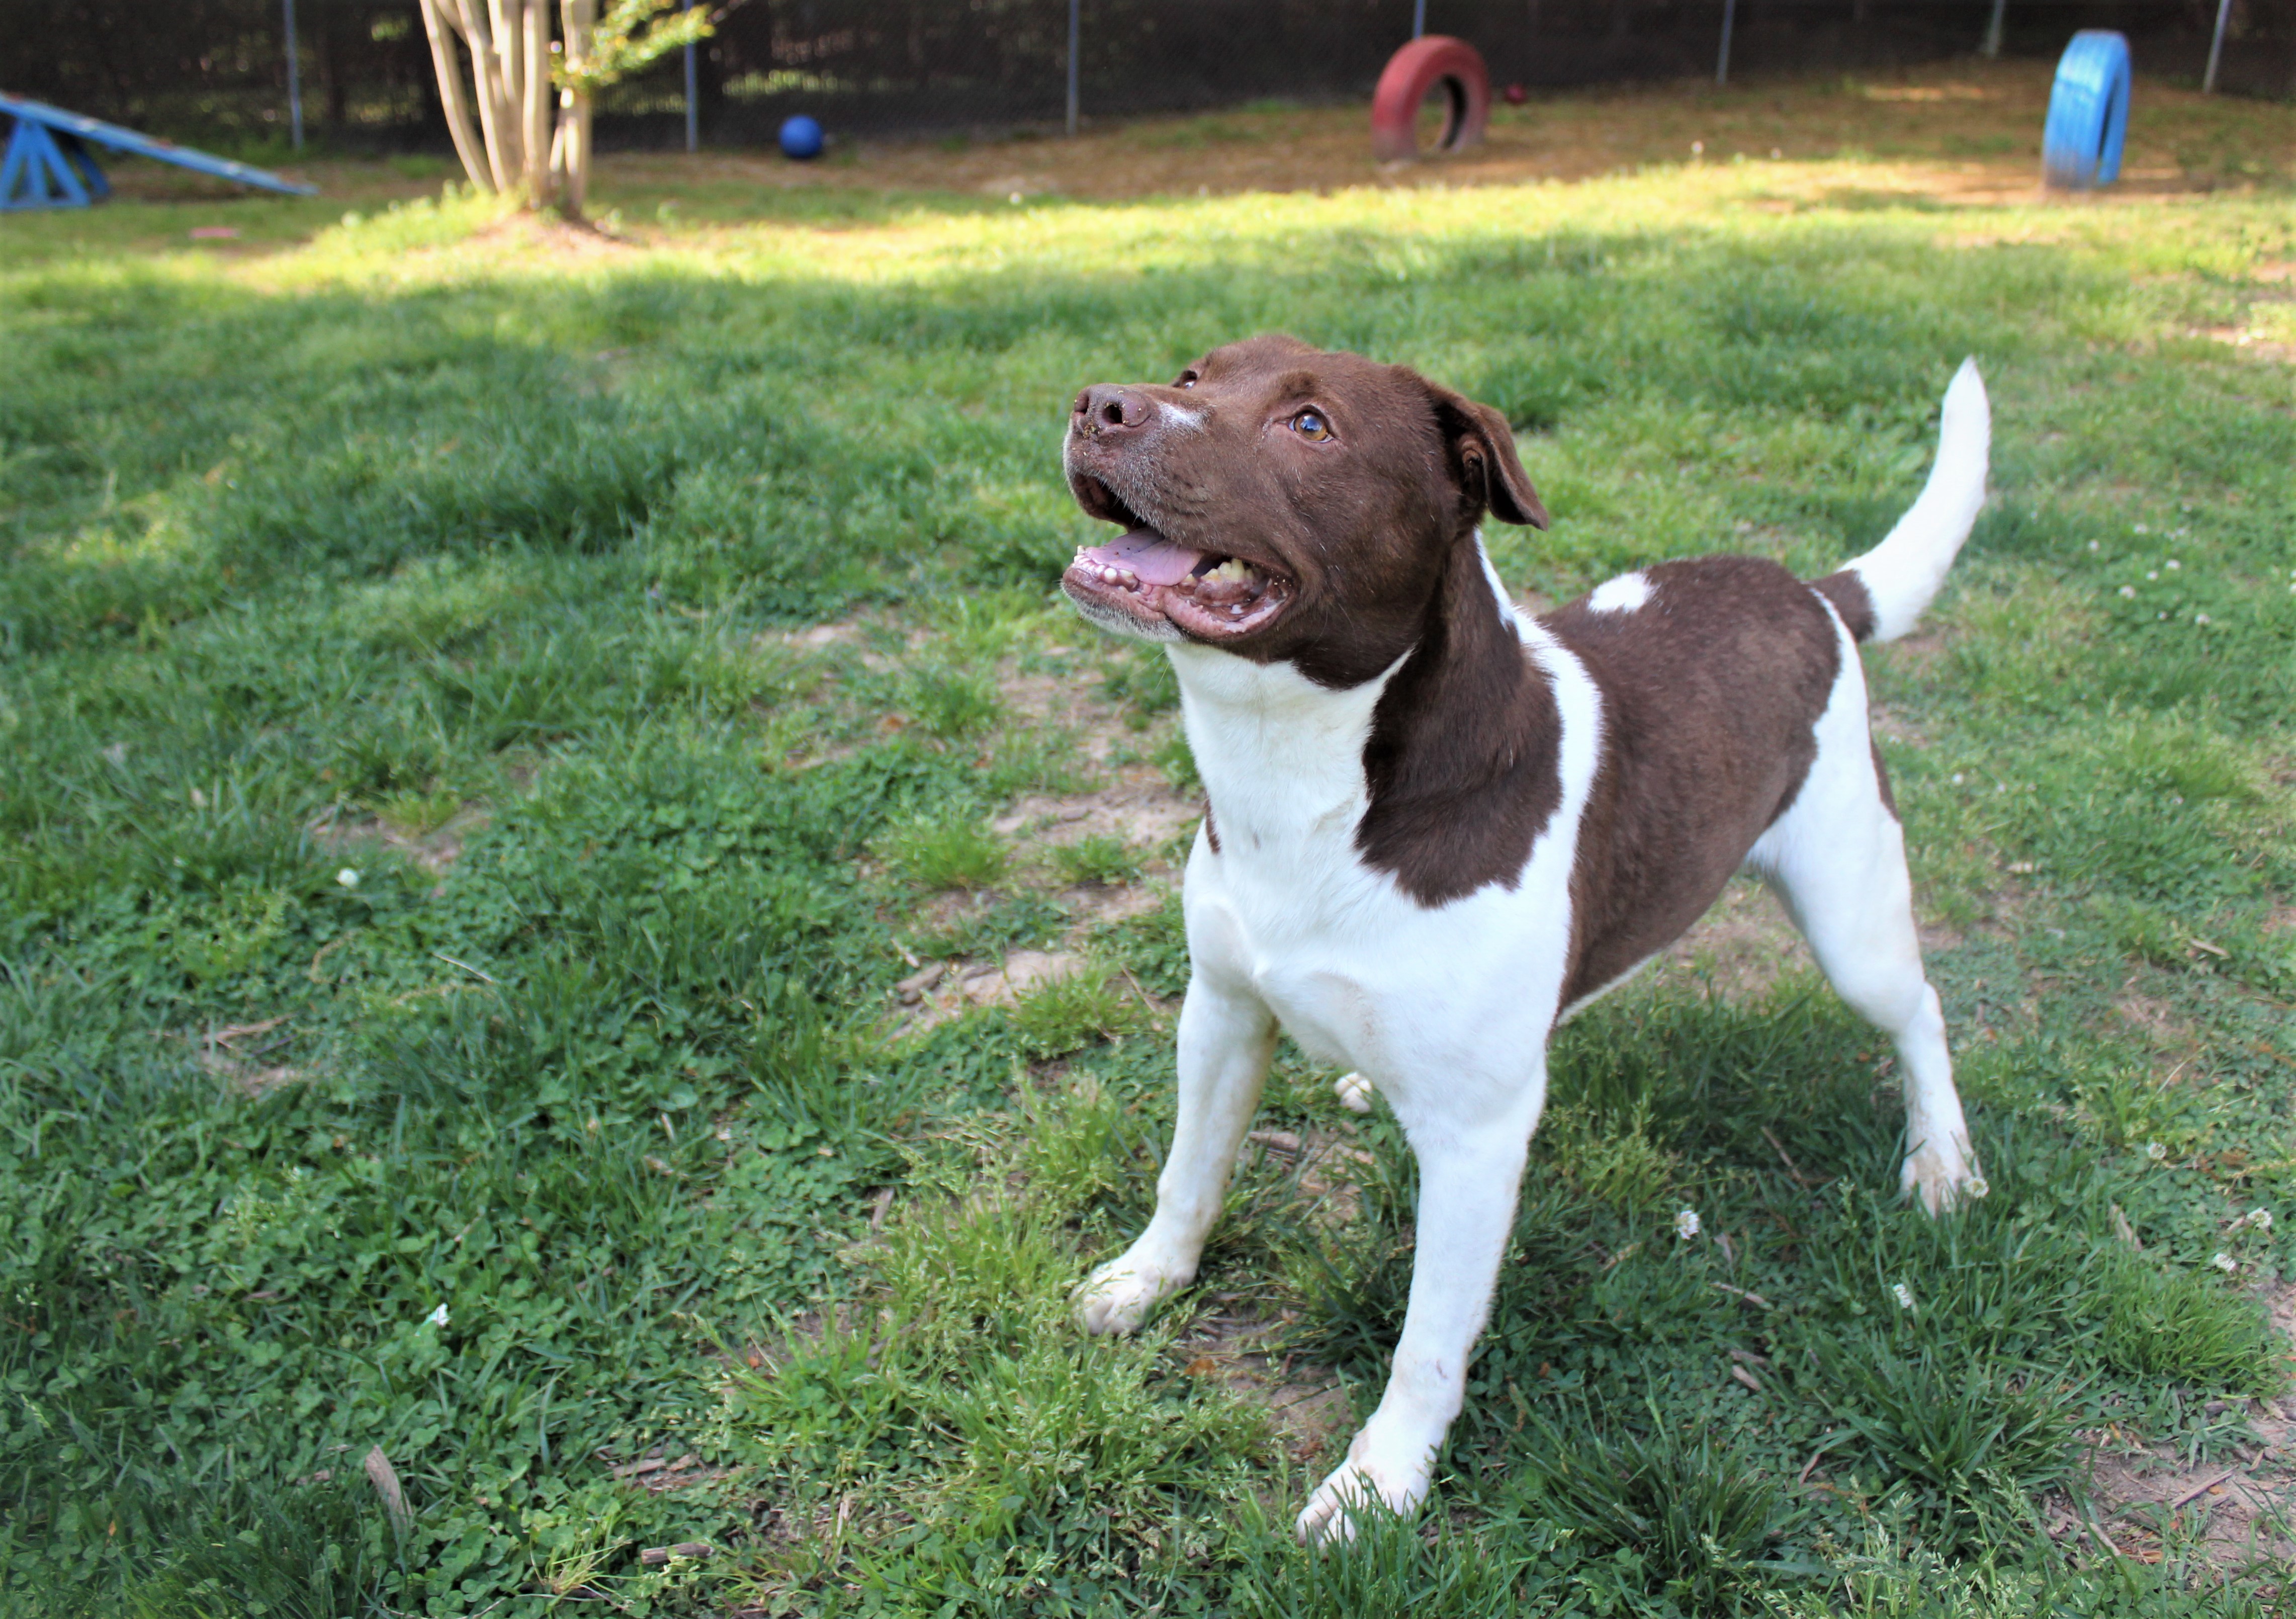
(442, 873)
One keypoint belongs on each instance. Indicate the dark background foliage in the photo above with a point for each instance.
(215, 70)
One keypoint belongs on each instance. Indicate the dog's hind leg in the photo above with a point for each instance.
(1227, 1038)
(1837, 859)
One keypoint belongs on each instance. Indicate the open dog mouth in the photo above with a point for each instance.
(1153, 580)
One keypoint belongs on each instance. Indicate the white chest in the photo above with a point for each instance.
(1357, 971)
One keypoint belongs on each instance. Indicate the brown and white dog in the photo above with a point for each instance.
(1437, 827)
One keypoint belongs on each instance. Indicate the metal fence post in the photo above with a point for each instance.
(1418, 18)
(1076, 37)
(294, 80)
(1722, 62)
(1992, 45)
(2216, 47)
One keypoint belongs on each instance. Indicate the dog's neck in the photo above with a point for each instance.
(1441, 770)
(1281, 757)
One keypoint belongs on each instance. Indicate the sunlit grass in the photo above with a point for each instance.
(511, 541)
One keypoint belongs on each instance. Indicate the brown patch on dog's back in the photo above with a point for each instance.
(1710, 690)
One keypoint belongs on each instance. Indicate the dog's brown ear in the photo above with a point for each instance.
(1482, 449)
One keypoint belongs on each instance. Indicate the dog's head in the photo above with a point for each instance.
(1285, 504)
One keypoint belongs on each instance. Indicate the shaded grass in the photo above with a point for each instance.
(403, 531)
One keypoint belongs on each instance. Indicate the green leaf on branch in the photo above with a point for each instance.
(631, 36)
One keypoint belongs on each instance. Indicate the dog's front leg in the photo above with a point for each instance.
(1227, 1037)
(1468, 1180)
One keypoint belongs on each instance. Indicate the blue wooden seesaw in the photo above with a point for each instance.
(50, 161)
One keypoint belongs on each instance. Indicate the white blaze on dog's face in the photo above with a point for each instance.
(1284, 502)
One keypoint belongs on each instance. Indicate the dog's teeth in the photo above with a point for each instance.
(1108, 576)
(1235, 612)
(1131, 578)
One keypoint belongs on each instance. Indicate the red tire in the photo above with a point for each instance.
(1430, 62)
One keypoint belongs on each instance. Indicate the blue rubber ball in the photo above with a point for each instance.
(800, 137)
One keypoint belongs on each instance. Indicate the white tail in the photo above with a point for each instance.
(1903, 573)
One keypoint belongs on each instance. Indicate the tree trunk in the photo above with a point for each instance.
(579, 19)
(537, 94)
(444, 27)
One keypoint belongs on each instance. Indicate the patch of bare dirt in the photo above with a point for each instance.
(1959, 134)
(1307, 1407)
(1327, 1162)
(2238, 1508)
(1139, 807)
(534, 234)
(815, 636)
(2173, 1036)
(661, 1470)
(2141, 1496)
(235, 1054)
(1892, 726)
(2248, 341)
(434, 851)
(1740, 948)
(939, 990)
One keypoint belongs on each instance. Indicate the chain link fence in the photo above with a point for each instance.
(215, 69)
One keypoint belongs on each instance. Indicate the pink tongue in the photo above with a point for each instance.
(1148, 553)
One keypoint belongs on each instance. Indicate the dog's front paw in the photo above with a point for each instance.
(1119, 1296)
(1354, 1092)
(1941, 1174)
(1392, 1472)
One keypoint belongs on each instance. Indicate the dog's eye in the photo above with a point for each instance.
(1310, 424)
(1188, 380)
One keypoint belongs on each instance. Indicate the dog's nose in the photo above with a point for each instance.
(1104, 407)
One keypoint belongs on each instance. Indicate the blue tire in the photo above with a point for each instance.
(2088, 112)
(802, 137)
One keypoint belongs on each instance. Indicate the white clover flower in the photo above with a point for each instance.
(2152, 573)
(2128, 592)
(2155, 1151)
(1686, 1224)
(2226, 1263)
(2140, 528)
(1958, 778)
(436, 1317)
(347, 877)
(2172, 564)
(1977, 1187)
(1903, 1295)
(2261, 1219)
(2091, 545)
(2200, 618)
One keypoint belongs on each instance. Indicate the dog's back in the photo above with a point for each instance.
(1713, 673)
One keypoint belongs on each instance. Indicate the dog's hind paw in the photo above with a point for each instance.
(1119, 1296)
(1354, 1092)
